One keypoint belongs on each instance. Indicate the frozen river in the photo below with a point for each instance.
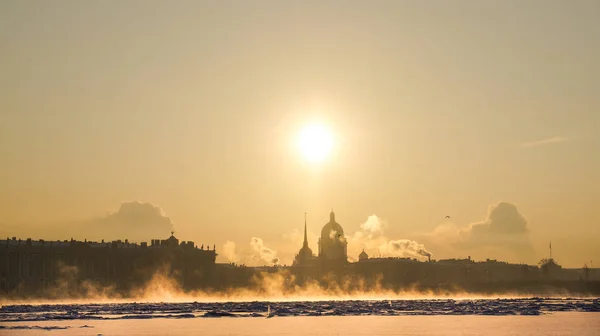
(398, 317)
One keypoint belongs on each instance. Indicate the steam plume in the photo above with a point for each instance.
(264, 253)
(404, 248)
(372, 239)
(229, 251)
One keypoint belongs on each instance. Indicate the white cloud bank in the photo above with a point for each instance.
(504, 234)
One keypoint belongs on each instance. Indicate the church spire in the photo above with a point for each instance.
(305, 235)
(332, 216)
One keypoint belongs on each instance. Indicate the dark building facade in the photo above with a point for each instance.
(397, 273)
(35, 268)
(37, 265)
(332, 257)
(333, 246)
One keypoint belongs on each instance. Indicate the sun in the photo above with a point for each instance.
(315, 142)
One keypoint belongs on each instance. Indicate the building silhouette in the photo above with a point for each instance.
(363, 256)
(35, 265)
(305, 256)
(333, 246)
(30, 268)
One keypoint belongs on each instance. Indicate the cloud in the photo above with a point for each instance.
(136, 221)
(503, 234)
(373, 226)
(542, 142)
(372, 239)
(503, 218)
(264, 253)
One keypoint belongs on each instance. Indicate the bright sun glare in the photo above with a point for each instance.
(315, 142)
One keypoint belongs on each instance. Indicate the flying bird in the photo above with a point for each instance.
(448, 217)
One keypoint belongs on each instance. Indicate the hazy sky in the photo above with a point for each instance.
(437, 108)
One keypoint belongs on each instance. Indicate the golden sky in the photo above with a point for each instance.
(118, 114)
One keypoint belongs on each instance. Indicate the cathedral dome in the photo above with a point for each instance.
(333, 244)
(363, 256)
(332, 229)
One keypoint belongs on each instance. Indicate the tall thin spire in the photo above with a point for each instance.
(305, 235)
